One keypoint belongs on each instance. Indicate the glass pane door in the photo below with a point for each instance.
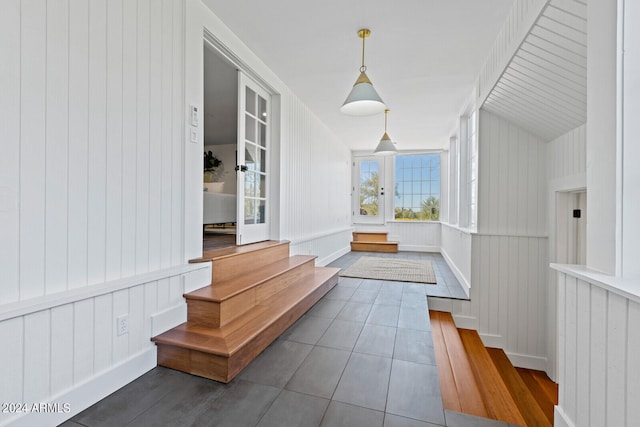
(253, 146)
(368, 190)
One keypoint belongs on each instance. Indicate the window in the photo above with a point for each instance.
(369, 175)
(417, 187)
(473, 169)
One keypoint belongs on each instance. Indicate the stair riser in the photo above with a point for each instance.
(369, 237)
(224, 369)
(373, 247)
(194, 362)
(216, 314)
(231, 266)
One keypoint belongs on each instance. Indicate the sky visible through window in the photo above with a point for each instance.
(417, 187)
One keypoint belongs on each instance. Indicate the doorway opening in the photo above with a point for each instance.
(220, 114)
(571, 227)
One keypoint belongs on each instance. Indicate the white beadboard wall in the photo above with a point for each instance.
(91, 193)
(599, 342)
(92, 143)
(566, 168)
(507, 257)
(456, 249)
(314, 185)
(65, 349)
(512, 179)
(568, 155)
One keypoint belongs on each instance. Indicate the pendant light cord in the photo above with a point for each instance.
(363, 67)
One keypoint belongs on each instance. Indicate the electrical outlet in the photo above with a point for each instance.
(122, 325)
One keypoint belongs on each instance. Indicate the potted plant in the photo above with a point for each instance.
(211, 163)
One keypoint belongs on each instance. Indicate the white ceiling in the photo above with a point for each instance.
(423, 57)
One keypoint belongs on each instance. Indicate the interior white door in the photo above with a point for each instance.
(368, 190)
(253, 161)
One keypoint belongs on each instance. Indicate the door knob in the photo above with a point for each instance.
(241, 168)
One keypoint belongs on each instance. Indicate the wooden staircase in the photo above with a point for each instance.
(257, 291)
(372, 241)
(482, 381)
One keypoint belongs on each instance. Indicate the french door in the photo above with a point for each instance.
(253, 161)
(368, 190)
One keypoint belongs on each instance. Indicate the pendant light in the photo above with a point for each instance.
(363, 100)
(386, 146)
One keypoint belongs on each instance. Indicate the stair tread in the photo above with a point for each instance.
(370, 232)
(228, 339)
(375, 243)
(448, 389)
(524, 399)
(471, 401)
(499, 403)
(225, 289)
(219, 253)
(544, 390)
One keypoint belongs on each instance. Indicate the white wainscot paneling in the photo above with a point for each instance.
(456, 250)
(508, 295)
(65, 348)
(415, 236)
(598, 344)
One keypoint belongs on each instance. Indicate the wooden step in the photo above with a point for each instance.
(524, 399)
(448, 389)
(369, 236)
(221, 302)
(469, 398)
(495, 394)
(544, 391)
(389, 247)
(221, 353)
(236, 260)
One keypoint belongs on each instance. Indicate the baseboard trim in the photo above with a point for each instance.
(465, 322)
(561, 419)
(492, 340)
(525, 361)
(89, 392)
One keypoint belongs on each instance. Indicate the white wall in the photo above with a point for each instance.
(599, 340)
(101, 195)
(602, 139)
(631, 148)
(91, 190)
(507, 258)
(315, 183)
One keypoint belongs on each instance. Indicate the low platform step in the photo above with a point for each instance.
(369, 236)
(221, 353)
(360, 246)
(221, 302)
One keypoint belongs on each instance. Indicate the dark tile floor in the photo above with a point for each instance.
(362, 356)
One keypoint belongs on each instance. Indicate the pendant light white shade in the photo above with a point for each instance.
(363, 100)
(385, 146)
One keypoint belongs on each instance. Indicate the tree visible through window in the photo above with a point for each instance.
(417, 187)
(369, 188)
